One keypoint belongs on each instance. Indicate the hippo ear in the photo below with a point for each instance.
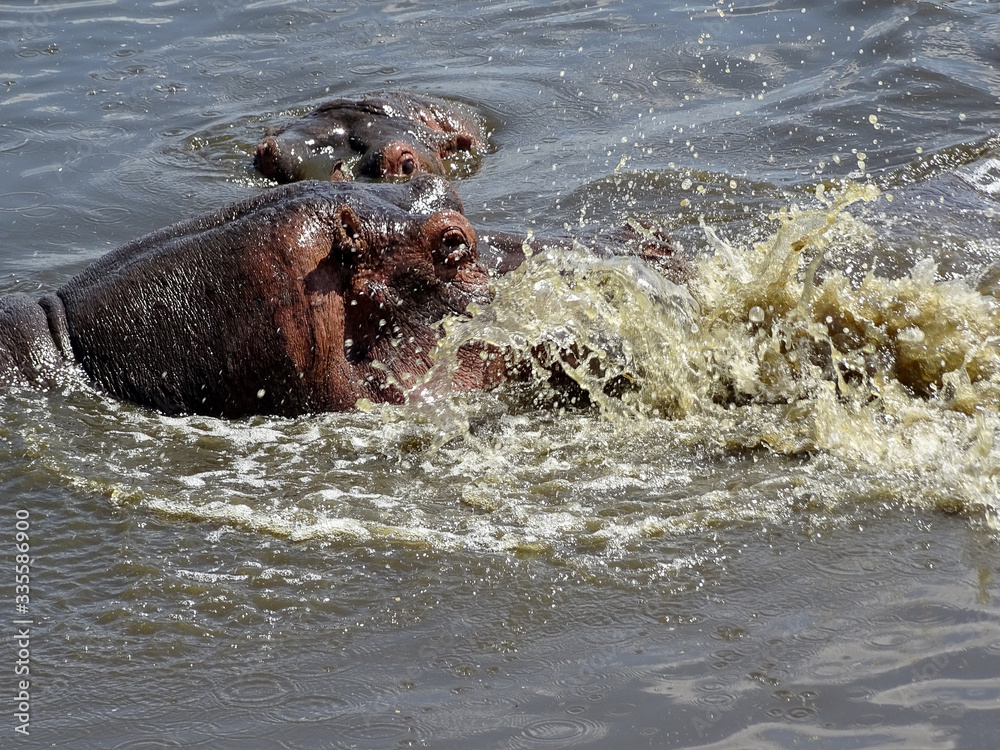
(350, 244)
(339, 173)
(457, 142)
(270, 161)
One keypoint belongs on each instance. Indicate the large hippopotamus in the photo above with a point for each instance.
(306, 298)
(303, 299)
(380, 136)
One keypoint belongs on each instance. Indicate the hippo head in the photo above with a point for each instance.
(395, 277)
(303, 299)
(388, 135)
(373, 296)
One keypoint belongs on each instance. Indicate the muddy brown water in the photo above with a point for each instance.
(783, 533)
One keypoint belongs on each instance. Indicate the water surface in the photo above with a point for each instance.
(783, 531)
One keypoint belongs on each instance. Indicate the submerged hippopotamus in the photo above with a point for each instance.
(381, 136)
(303, 299)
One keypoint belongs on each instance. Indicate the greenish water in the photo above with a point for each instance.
(782, 534)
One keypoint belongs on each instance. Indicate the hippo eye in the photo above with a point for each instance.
(408, 166)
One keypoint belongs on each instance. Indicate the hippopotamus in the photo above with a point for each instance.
(388, 135)
(303, 299)
(307, 298)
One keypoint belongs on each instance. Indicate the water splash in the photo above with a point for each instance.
(778, 387)
(603, 323)
(773, 346)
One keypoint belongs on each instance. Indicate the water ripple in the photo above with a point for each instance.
(374, 731)
(557, 733)
(153, 742)
(258, 691)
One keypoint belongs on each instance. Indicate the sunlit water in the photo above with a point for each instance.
(774, 524)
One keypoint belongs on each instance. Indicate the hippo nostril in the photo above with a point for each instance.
(451, 241)
(455, 246)
(454, 239)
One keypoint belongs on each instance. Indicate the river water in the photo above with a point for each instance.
(782, 531)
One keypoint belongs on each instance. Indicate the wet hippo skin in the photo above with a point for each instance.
(389, 135)
(303, 299)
